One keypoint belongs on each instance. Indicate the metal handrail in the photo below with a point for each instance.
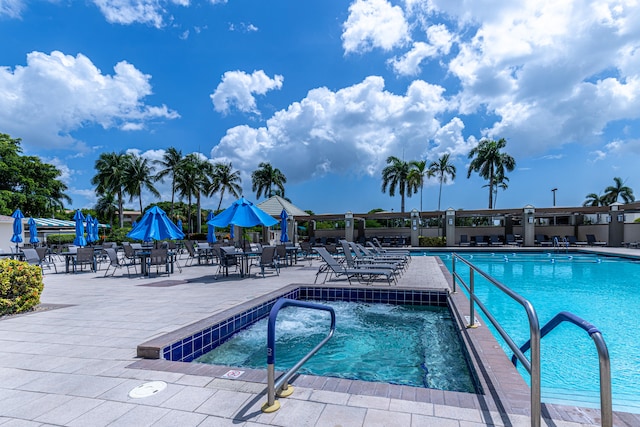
(281, 386)
(533, 366)
(606, 409)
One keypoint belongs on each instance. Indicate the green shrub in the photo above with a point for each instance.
(20, 286)
(432, 241)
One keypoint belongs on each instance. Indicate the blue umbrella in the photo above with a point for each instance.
(211, 230)
(179, 224)
(89, 220)
(283, 225)
(17, 227)
(232, 229)
(155, 225)
(94, 229)
(133, 224)
(242, 213)
(80, 239)
(33, 231)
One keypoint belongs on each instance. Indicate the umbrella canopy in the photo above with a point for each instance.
(242, 213)
(33, 231)
(283, 225)
(133, 224)
(211, 230)
(94, 230)
(89, 221)
(17, 216)
(155, 225)
(80, 239)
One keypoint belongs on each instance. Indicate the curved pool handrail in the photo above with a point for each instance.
(281, 385)
(606, 408)
(533, 366)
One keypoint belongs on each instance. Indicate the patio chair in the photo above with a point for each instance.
(363, 253)
(267, 259)
(158, 258)
(31, 256)
(84, 256)
(115, 262)
(510, 240)
(376, 244)
(46, 259)
(354, 259)
(494, 240)
(591, 241)
(333, 268)
(281, 254)
(228, 259)
(464, 240)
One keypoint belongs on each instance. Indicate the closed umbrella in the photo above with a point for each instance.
(283, 226)
(89, 221)
(33, 231)
(17, 227)
(211, 230)
(155, 225)
(80, 239)
(95, 230)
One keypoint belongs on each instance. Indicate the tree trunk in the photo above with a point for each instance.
(120, 209)
(199, 213)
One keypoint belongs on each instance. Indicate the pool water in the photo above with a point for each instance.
(409, 345)
(602, 290)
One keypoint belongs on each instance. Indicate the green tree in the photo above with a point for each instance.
(191, 181)
(613, 192)
(139, 176)
(225, 179)
(489, 161)
(110, 178)
(265, 178)
(28, 183)
(106, 207)
(395, 176)
(443, 170)
(417, 173)
(169, 165)
(594, 199)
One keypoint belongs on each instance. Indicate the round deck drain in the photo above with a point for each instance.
(147, 389)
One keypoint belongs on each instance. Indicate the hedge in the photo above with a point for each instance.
(20, 286)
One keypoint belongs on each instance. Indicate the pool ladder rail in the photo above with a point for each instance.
(281, 387)
(606, 409)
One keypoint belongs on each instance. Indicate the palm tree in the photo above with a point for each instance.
(490, 162)
(186, 183)
(223, 179)
(170, 163)
(265, 178)
(396, 175)
(443, 170)
(498, 182)
(110, 177)
(204, 169)
(417, 173)
(106, 207)
(613, 192)
(139, 176)
(594, 199)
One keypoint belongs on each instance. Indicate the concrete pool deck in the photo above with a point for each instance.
(75, 363)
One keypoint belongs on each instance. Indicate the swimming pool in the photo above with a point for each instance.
(396, 344)
(600, 289)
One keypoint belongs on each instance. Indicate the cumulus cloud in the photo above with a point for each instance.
(349, 131)
(237, 89)
(151, 12)
(56, 94)
(374, 24)
(440, 42)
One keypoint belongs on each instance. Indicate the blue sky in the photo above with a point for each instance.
(327, 90)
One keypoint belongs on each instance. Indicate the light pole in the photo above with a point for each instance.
(553, 190)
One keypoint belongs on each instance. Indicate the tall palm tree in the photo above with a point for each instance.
(395, 176)
(169, 164)
(139, 176)
(444, 170)
(204, 169)
(224, 179)
(613, 192)
(106, 207)
(498, 182)
(417, 174)
(186, 182)
(110, 177)
(490, 162)
(594, 199)
(265, 178)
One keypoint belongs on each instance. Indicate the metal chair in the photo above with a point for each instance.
(157, 258)
(115, 262)
(267, 259)
(84, 256)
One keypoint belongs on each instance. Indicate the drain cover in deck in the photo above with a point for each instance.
(147, 389)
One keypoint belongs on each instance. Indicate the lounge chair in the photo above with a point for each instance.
(360, 262)
(363, 253)
(333, 268)
(494, 240)
(464, 240)
(542, 240)
(591, 241)
(377, 244)
(481, 241)
(510, 240)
